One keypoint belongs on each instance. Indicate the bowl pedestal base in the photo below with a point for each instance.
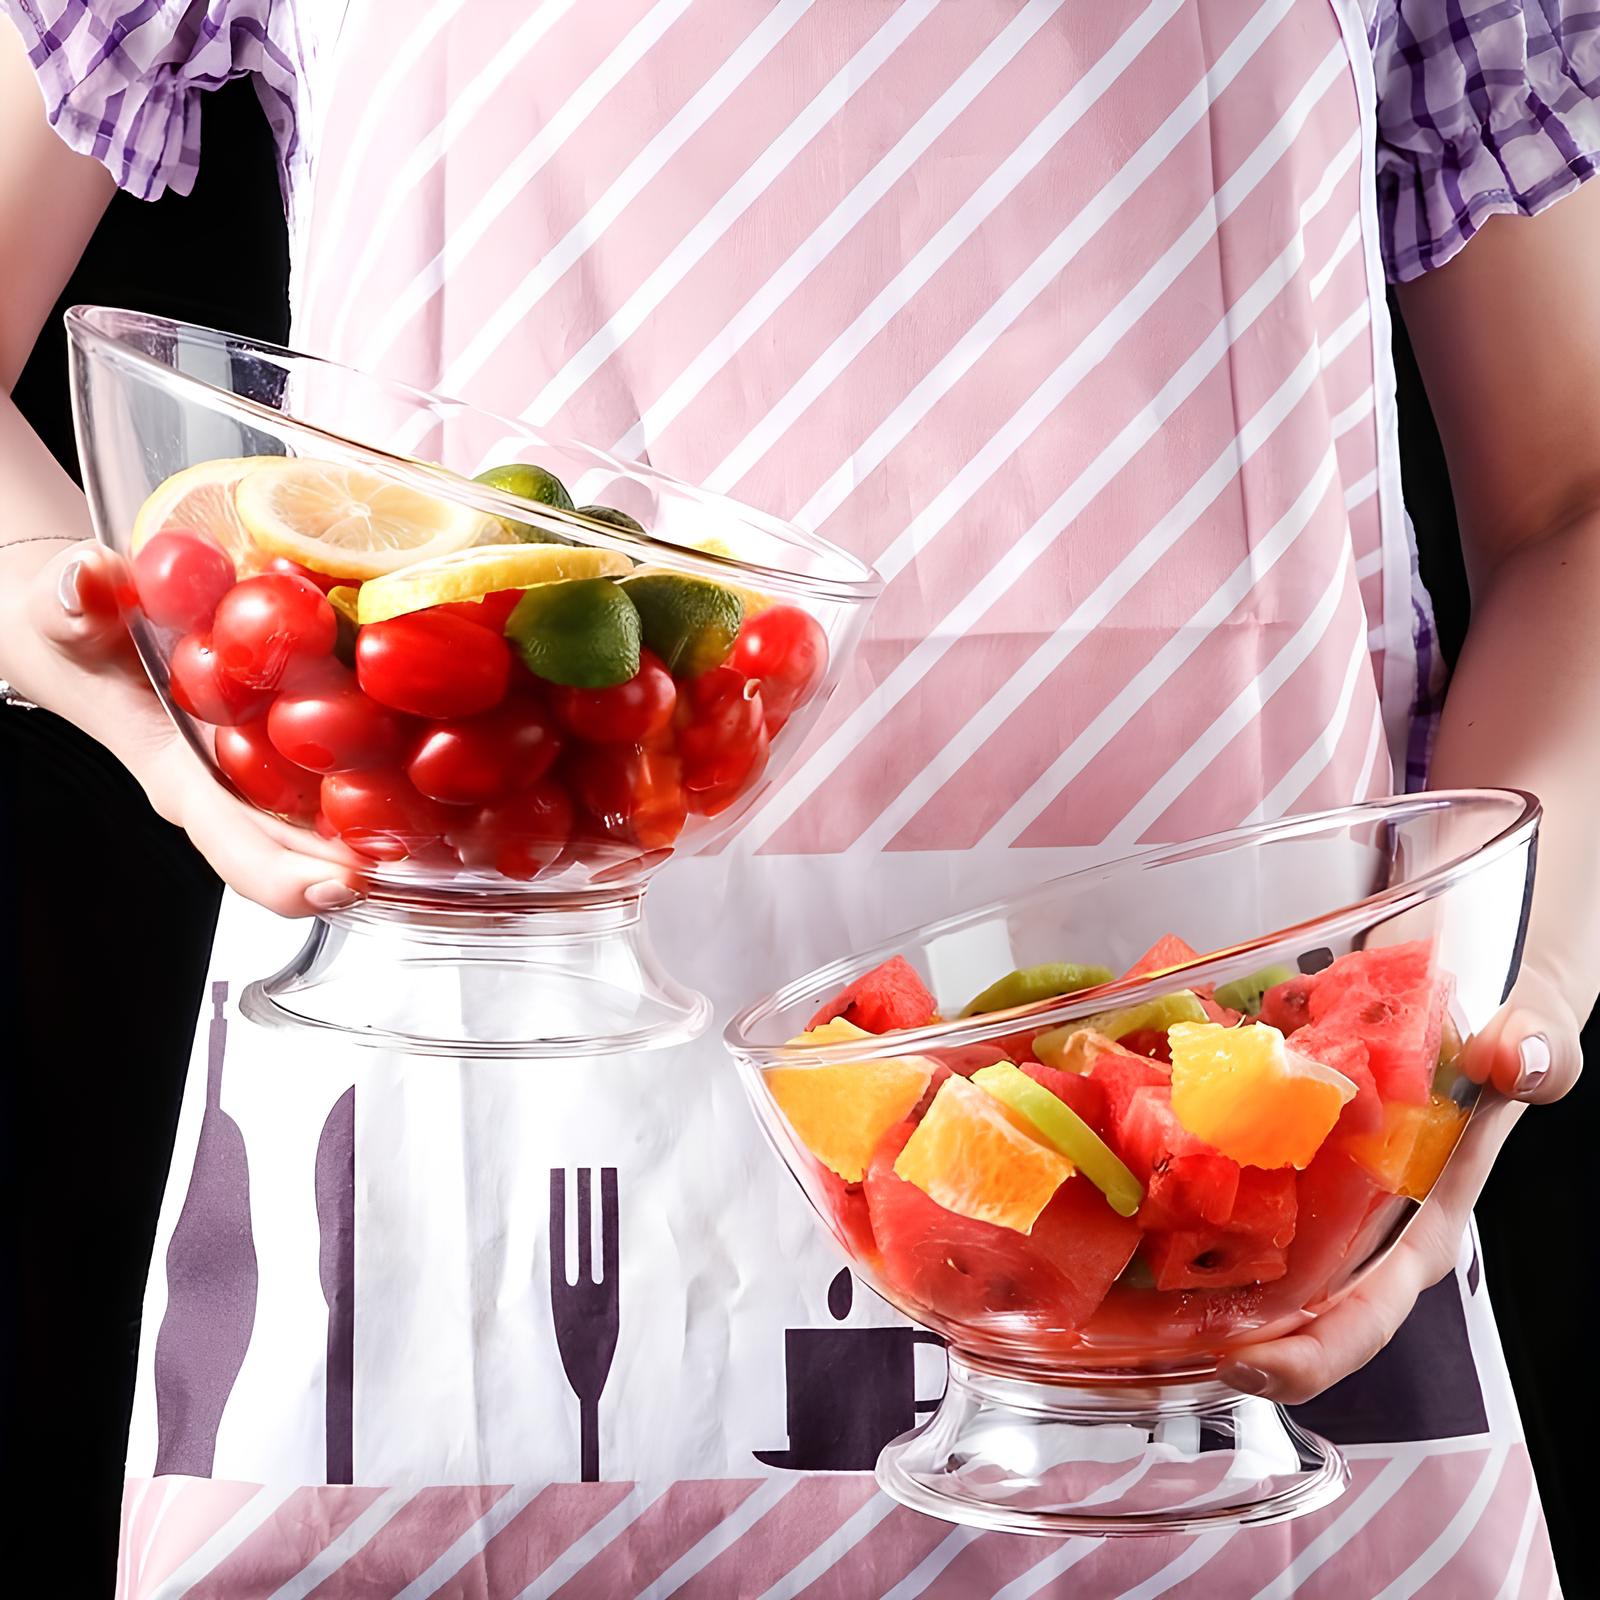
(523, 978)
(1109, 1454)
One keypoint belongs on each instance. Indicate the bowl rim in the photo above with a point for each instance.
(92, 325)
(1121, 992)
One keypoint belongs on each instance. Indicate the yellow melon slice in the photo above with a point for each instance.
(839, 1113)
(970, 1156)
(1247, 1093)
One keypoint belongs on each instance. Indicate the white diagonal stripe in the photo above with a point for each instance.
(831, 1550)
(1358, 411)
(1454, 1533)
(1512, 1587)
(465, 236)
(1084, 95)
(258, 1510)
(1361, 490)
(332, 1556)
(1245, 707)
(932, 1564)
(470, 1543)
(1370, 780)
(751, 184)
(1370, 565)
(631, 182)
(1052, 261)
(723, 1534)
(1340, 1531)
(759, 309)
(1312, 764)
(582, 1551)
(1347, 243)
(424, 155)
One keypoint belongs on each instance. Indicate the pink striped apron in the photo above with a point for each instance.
(1069, 318)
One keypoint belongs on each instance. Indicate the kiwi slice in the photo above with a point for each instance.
(1030, 984)
(1244, 994)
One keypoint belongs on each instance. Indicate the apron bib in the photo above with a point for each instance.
(1069, 319)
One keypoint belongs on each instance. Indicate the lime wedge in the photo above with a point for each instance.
(1030, 984)
(1063, 1129)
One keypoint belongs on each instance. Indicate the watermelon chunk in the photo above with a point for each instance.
(1084, 1094)
(961, 1269)
(1151, 1043)
(889, 997)
(1188, 1184)
(1347, 1055)
(1393, 1002)
(1122, 1074)
(1266, 1204)
(1168, 951)
(967, 1058)
(1287, 1006)
(1208, 1258)
(846, 1206)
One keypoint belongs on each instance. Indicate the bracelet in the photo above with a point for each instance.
(13, 697)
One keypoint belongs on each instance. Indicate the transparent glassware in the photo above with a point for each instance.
(1117, 1423)
(445, 953)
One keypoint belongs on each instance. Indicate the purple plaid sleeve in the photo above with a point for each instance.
(122, 79)
(1484, 106)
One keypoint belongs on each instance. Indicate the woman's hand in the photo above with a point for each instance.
(1530, 1053)
(86, 667)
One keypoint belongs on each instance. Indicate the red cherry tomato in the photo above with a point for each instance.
(204, 690)
(491, 611)
(264, 777)
(635, 794)
(520, 836)
(786, 651)
(629, 713)
(478, 759)
(379, 814)
(333, 727)
(180, 577)
(293, 569)
(269, 624)
(722, 732)
(433, 665)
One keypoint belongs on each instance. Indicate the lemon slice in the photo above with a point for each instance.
(348, 522)
(200, 498)
(470, 574)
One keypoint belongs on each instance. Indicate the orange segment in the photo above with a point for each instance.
(1407, 1154)
(1076, 1051)
(1246, 1093)
(839, 1113)
(969, 1155)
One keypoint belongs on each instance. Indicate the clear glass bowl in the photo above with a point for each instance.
(1084, 1347)
(511, 711)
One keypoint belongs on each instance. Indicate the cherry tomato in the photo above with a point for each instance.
(379, 814)
(629, 713)
(433, 665)
(204, 690)
(635, 794)
(491, 611)
(264, 777)
(786, 651)
(293, 569)
(180, 577)
(483, 758)
(269, 624)
(722, 733)
(333, 727)
(520, 836)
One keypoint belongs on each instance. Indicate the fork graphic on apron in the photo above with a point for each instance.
(585, 1308)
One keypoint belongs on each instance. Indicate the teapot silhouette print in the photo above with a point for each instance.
(849, 1390)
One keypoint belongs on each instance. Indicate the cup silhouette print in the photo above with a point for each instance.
(335, 1178)
(585, 1306)
(848, 1391)
(211, 1283)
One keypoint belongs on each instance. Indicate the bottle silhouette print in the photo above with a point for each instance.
(584, 1308)
(211, 1283)
(336, 1265)
(848, 1391)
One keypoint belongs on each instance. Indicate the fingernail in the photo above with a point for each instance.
(331, 896)
(67, 591)
(1534, 1053)
(1247, 1380)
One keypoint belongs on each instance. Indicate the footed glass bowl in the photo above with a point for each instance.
(511, 675)
(1095, 1187)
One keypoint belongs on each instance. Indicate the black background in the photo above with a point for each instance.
(106, 917)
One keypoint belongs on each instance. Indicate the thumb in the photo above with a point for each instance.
(1532, 1050)
(76, 601)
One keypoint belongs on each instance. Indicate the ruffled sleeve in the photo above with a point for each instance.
(1484, 106)
(122, 79)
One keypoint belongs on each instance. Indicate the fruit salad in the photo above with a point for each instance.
(1153, 1178)
(459, 692)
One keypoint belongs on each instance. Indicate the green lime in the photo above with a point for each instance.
(528, 482)
(612, 518)
(690, 623)
(583, 632)
(1029, 984)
